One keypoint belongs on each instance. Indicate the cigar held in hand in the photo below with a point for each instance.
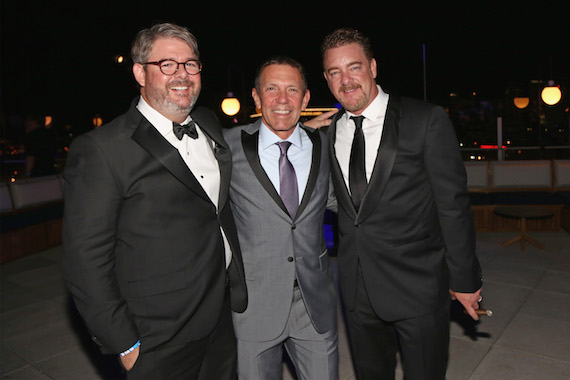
(481, 312)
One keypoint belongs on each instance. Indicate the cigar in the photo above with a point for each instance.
(481, 312)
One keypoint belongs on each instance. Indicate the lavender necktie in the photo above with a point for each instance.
(288, 180)
(357, 167)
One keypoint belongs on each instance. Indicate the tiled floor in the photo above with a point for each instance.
(528, 336)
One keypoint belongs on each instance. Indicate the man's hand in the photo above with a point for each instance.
(130, 359)
(320, 121)
(470, 301)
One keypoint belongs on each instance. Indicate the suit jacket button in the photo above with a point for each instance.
(289, 259)
(293, 226)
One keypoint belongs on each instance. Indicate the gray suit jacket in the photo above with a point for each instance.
(276, 248)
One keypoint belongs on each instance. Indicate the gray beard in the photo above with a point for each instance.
(182, 111)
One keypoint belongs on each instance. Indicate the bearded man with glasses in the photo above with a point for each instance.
(150, 246)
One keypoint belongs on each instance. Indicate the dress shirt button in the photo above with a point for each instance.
(290, 259)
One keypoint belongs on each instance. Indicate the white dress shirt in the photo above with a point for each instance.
(198, 154)
(372, 127)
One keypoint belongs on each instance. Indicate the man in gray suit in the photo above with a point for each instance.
(292, 300)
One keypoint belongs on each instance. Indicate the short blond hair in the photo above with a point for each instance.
(345, 36)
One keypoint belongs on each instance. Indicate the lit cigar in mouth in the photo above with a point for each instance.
(481, 312)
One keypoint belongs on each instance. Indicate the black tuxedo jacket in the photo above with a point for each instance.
(144, 256)
(414, 234)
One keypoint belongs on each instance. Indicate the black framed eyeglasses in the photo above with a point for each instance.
(170, 66)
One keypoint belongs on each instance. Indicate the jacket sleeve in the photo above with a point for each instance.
(448, 181)
(92, 208)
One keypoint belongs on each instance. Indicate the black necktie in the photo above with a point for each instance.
(288, 180)
(189, 129)
(357, 167)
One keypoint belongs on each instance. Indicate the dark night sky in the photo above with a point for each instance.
(59, 58)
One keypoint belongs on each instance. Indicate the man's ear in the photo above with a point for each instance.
(306, 99)
(255, 97)
(139, 73)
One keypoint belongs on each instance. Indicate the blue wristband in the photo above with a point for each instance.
(130, 349)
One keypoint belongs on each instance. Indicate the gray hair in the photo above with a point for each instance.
(142, 45)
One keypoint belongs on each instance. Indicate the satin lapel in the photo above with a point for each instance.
(221, 152)
(152, 141)
(250, 141)
(384, 160)
(315, 167)
(341, 191)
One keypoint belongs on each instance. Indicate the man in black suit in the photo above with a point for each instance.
(406, 232)
(151, 250)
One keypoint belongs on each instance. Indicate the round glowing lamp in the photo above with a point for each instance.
(551, 94)
(521, 102)
(97, 121)
(230, 105)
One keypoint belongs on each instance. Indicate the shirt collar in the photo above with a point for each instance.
(158, 120)
(268, 137)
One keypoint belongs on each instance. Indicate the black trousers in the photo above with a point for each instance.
(423, 342)
(211, 358)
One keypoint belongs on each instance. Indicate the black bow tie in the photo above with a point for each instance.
(189, 129)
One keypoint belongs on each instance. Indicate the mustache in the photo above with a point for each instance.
(349, 87)
(181, 82)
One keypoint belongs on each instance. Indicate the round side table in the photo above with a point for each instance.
(523, 213)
